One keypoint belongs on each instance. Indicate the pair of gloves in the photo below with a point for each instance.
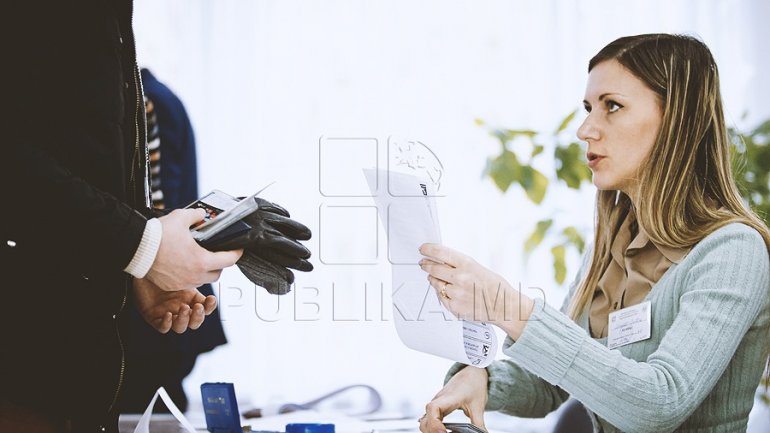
(271, 247)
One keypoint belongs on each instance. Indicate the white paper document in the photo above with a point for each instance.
(407, 209)
(143, 426)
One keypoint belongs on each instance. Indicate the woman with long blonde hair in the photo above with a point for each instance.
(666, 326)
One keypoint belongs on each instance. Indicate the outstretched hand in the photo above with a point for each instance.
(177, 311)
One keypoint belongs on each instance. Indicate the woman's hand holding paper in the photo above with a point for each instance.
(472, 292)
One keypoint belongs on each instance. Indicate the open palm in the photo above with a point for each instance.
(177, 310)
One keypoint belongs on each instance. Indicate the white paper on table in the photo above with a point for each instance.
(143, 426)
(422, 322)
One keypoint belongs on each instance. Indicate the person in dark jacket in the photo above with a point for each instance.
(78, 238)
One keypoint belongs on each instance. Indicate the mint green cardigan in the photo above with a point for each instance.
(697, 373)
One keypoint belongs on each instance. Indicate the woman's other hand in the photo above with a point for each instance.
(466, 390)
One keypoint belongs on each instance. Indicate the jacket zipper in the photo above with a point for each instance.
(122, 349)
(135, 156)
(132, 190)
(132, 183)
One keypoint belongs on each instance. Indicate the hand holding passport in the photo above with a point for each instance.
(266, 232)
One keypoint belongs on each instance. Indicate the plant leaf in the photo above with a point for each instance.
(574, 237)
(570, 166)
(535, 183)
(507, 135)
(516, 132)
(537, 149)
(559, 263)
(564, 123)
(504, 170)
(537, 235)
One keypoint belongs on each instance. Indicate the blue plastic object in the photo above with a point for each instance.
(309, 428)
(221, 408)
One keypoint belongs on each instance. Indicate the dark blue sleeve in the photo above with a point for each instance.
(179, 170)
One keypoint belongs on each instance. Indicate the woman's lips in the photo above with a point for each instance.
(594, 159)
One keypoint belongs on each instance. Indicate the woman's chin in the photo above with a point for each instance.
(603, 184)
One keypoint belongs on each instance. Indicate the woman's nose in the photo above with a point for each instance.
(588, 130)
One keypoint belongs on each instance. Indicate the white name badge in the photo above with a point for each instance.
(629, 325)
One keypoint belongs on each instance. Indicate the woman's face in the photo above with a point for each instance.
(624, 116)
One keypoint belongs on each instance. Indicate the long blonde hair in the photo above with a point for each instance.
(686, 186)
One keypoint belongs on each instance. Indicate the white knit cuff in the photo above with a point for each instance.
(148, 249)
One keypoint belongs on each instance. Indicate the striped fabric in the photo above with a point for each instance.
(153, 145)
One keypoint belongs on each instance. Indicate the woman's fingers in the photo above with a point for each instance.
(441, 288)
(432, 425)
(466, 390)
(435, 411)
(438, 270)
(443, 254)
(476, 416)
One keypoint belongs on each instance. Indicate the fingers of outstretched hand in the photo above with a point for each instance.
(182, 320)
(196, 298)
(210, 304)
(163, 324)
(197, 316)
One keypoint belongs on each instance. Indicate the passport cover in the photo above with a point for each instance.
(221, 408)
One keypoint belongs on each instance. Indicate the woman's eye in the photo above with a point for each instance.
(587, 108)
(613, 106)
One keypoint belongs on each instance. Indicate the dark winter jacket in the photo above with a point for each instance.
(74, 205)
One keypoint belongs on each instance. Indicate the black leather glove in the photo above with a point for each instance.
(270, 243)
(272, 247)
(274, 235)
(275, 279)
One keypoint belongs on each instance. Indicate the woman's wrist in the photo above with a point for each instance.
(472, 373)
(516, 315)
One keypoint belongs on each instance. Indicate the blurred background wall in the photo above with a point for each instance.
(270, 85)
